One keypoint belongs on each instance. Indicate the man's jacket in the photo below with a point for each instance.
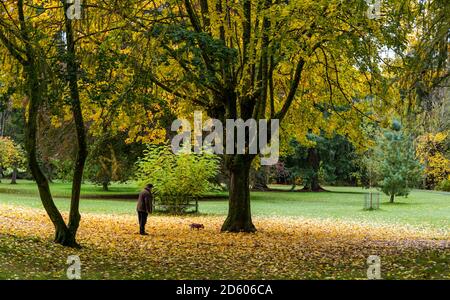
(144, 203)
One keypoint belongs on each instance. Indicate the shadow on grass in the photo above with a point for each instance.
(348, 192)
(399, 203)
(311, 192)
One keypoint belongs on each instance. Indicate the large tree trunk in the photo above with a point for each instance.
(314, 164)
(392, 198)
(239, 217)
(14, 176)
(314, 185)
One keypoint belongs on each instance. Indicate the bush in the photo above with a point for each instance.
(176, 176)
(431, 150)
(444, 185)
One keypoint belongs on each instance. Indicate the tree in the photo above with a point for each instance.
(431, 151)
(424, 70)
(18, 161)
(11, 118)
(55, 58)
(329, 157)
(11, 156)
(242, 60)
(304, 162)
(18, 36)
(176, 175)
(111, 159)
(259, 178)
(395, 162)
(138, 65)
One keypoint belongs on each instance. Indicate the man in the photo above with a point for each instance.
(144, 207)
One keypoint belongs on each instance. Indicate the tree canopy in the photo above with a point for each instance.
(126, 69)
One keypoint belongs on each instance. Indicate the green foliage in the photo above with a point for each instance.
(444, 185)
(61, 169)
(172, 175)
(11, 154)
(394, 162)
(335, 159)
(112, 160)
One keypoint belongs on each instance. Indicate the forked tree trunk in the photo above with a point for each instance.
(64, 235)
(72, 72)
(239, 217)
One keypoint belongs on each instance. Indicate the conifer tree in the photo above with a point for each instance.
(395, 162)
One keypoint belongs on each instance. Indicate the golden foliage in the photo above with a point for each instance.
(431, 152)
(284, 248)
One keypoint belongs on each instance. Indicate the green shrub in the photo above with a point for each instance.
(444, 185)
(176, 176)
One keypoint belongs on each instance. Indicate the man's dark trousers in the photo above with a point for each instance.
(142, 216)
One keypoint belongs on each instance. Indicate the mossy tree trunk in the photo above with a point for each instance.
(239, 217)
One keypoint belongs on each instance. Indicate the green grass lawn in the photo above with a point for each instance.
(63, 189)
(426, 209)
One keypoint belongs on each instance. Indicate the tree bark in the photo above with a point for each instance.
(14, 176)
(105, 186)
(260, 180)
(239, 217)
(72, 70)
(314, 164)
(31, 68)
(64, 235)
(392, 198)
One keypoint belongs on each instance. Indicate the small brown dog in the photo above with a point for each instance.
(196, 226)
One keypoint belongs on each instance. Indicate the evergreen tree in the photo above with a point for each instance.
(395, 162)
(331, 159)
